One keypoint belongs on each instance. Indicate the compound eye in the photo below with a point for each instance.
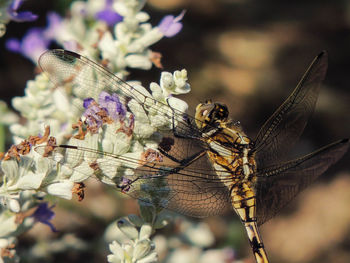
(223, 112)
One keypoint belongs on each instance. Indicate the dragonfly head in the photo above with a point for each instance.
(210, 113)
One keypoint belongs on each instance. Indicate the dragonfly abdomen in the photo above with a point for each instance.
(236, 168)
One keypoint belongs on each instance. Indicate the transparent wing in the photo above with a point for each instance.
(175, 177)
(87, 79)
(278, 185)
(284, 127)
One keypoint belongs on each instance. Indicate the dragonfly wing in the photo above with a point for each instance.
(189, 183)
(87, 79)
(193, 190)
(278, 185)
(175, 177)
(180, 168)
(284, 127)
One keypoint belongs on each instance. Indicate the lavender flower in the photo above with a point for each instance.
(23, 16)
(32, 45)
(128, 127)
(171, 25)
(108, 15)
(93, 119)
(54, 25)
(87, 102)
(44, 214)
(109, 106)
(37, 40)
(112, 104)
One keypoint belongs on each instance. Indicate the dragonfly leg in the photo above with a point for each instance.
(183, 162)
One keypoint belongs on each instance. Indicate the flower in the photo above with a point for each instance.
(32, 45)
(171, 25)
(19, 16)
(61, 189)
(112, 104)
(7, 117)
(93, 114)
(108, 15)
(138, 249)
(129, 7)
(109, 106)
(44, 214)
(58, 31)
(54, 26)
(175, 83)
(8, 251)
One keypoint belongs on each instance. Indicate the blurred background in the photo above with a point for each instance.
(249, 55)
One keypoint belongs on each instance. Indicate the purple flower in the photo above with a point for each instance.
(109, 108)
(44, 214)
(108, 15)
(54, 26)
(87, 102)
(112, 104)
(71, 45)
(19, 16)
(93, 119)
(170, 25)
(32, 45)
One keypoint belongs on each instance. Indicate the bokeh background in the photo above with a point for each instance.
(248, 55)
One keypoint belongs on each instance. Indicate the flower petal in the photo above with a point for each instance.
(13, 45)
(61, 189)
(171, 25)
(30, 181)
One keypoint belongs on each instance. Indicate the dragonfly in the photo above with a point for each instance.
(205, 164)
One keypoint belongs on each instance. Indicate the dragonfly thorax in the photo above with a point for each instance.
(229, 147)
(210, 113)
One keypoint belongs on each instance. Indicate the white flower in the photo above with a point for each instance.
(145, 231)
(7, 224)
(157, 92)
(43, 104)
(128, 7)
(142, 249)
(139, 248)
(150, 37)
(7, 250)
(14, 205)
(180, 79)
(19, 175)
(178, 104)
(128, 229)
(62, 189)
(7, 117)
(167, 82)
(186, 255)
(117, 255)
(150, 258)
(198, 234)
(175, 83)
(140, 61)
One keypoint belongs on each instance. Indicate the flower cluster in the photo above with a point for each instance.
(138, 248)
(9, 11)
(109, 132)
(127, 45)
(117, 35)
